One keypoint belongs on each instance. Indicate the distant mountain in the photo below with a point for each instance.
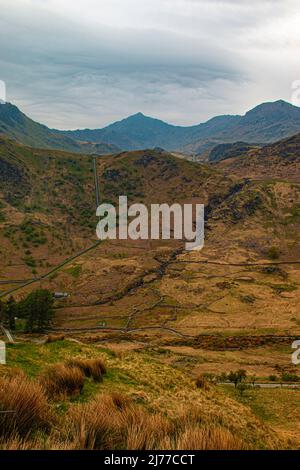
(17, 126)
(223, 151)
(269, 122)
(286, 149)
(266, 123)
(135, 132)
(279, 160)
(140, 132)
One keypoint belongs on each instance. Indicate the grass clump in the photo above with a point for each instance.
(214, 438)
(93, 368)
(23, 405)
(60, 380)
(113, 421)
(94, 425)
(54, 338)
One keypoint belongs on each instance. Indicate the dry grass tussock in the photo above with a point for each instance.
(24, 406)
(114, 422)
(60, 380)
(67, 379)
(93, 368)
(94, 425)
(214, 438)
(54, 338)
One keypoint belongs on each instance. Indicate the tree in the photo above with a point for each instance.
(237, 377)
(273, 378)
(37, 308)
(10, 313)
(289, 377)
(242, 387)
(252, 379)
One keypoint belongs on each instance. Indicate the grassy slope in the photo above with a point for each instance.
(47, 207)
(278, 408)
(148, 382)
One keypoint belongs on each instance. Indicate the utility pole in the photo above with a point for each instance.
(97, 191)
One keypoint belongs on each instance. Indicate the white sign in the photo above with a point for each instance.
(2, 353)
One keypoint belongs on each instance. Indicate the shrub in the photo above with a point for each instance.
(289, 377)
(273, 252)
(59, 380)
(273, 378)
(27, 405)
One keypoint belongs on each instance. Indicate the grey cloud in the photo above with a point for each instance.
(179, 60)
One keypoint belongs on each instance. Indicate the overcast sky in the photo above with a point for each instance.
(85, 63)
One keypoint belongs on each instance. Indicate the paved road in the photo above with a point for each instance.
(266, 385)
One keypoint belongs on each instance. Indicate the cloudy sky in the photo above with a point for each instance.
(85, 63)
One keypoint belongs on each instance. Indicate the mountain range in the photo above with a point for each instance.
(266, 123)
(17, 126)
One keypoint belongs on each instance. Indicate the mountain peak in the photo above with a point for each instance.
(138, 115)
(273, 112)
(272, 106)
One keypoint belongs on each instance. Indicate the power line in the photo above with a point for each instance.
(97, 189)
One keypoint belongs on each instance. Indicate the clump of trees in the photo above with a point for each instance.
(36, 309)
(237, 377)
(8, 313)
(289, 377)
